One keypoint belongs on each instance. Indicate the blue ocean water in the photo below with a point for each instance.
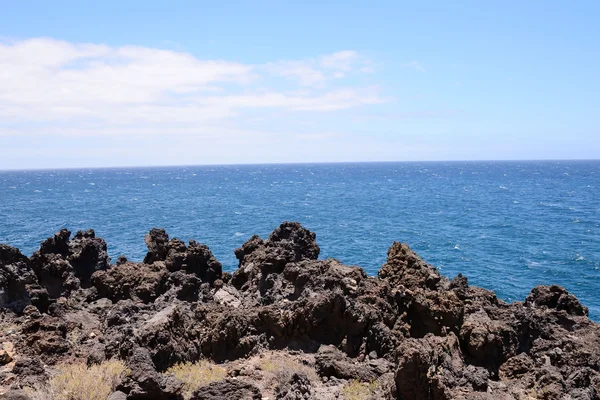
(508, 226)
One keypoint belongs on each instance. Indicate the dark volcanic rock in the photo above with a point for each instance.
(157, 241)
(139, 282)
(46, 337)
(228, 389)
(30, 372)
(143, 382)
(196, 258)
(486, 342)
(168, 336)
(428, 368)
(332, 362)
(555, 297)
(298, 388)
(290, 242)
(87, 254)
(404, 267)
(63, 266)
(17, 279)
(169, 267)
(57, 244)
(410, 328)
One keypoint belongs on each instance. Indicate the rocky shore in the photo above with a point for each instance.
(284, 325)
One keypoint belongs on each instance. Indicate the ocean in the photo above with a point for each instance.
(507, 226)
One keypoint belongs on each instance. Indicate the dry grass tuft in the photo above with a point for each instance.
(355, 390)
(80, 382)
(281, 369)
(7, 328)
(195, 375)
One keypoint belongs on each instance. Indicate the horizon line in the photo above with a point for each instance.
(293, 163)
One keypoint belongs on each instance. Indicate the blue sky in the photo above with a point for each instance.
(149, 83)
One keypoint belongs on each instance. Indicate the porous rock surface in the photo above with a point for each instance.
(431, 337)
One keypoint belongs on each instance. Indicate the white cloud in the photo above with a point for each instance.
(317, 71)
(306, 73)
(328, 101)
(55, 87)
(340, 61)
(414, 65)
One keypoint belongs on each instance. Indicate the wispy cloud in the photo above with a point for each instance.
(317, 71)
(54, 86)
(414, 65)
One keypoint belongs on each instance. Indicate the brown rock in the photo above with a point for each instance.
(228, 389)
(555, 297)
(332, 362)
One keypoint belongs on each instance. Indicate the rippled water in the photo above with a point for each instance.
(508, 226)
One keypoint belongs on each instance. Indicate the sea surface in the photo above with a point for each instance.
(508, 226)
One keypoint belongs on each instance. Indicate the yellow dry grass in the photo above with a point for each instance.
(195, 375)
(281, 369)
(356, 390)
(80, 382)
(7, 328)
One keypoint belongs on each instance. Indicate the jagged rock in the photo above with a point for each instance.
(404, 267)
(196, 258)
(300, 242)
(46, 337)
(298, 388)
(433, 311)
(169, 267)
(228, 296)
(428, 368)
(228, 389)
(30, 372)
(290, 242)
(516, 366)
(58, 244)
(16, 279)
(182, 286)
(434, 338)
(332, 362)
(55, 274)
(87, 254)
(143, 382)
(157, 241)
(228, 334)
(139, 282)
(555, 297)
(28, 366)
(53, 270)
(488, 343)
(168, 336)
(62, 266)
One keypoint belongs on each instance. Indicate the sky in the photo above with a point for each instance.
(140, 83)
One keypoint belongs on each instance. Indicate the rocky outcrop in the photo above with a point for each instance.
(227, 389)
(17, 280)
(332, 362)
(297, 388)
(288, 243)
(143, 382)
(557, 298)
(429, 336)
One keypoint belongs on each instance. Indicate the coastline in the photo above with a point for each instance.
(410, 332)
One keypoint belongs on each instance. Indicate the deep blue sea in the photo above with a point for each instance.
(508, 226)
